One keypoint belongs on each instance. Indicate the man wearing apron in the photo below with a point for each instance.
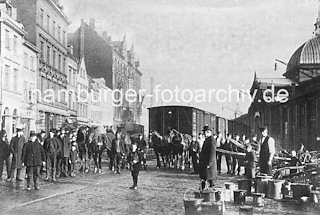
(267, 151)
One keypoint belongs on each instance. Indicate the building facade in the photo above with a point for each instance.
(112, 61)
(82, 97)
(18, 72)
(47, 28)
(297, 120)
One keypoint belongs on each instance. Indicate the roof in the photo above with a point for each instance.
(308, 54)
(277, 82)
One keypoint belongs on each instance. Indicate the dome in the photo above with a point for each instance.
(305, 57)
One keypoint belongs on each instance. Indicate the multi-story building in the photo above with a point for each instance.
(94, 104)
(47, 28)
(126, 76)
(28, 114)
(82, 97)
(72, 86)
(18, 64)
(111, 61)
(106, 104)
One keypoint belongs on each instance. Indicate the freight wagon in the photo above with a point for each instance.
(185, 119)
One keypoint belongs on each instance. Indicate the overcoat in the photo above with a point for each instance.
(33, 154)
(65, 146)
(208, 158)
(4, 148)
(16, 146)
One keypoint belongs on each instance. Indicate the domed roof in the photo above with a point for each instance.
(305, 56)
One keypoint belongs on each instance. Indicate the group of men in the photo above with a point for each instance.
(206, 159)
(55, 154)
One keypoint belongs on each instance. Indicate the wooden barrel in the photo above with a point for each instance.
(262, 184)
(246, 210)
(286, 190)
(300, 189)
(239, 196)
(258, 200)
(274, 189)
(192, 206)
(208, 195)
(244, 184)
(209, 208)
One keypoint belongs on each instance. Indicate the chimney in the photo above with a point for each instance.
(70, 49)
(93, 23)
(14, 14)
(105, 35)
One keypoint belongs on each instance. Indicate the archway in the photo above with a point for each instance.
(4, 115)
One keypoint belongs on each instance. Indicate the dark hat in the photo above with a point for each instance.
(42, 132)
(263, 128)
(33, 134)
(52, 130)
(206, 128)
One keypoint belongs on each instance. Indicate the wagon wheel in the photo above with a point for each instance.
(316, 158)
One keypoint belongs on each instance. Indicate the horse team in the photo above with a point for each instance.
(93, 141)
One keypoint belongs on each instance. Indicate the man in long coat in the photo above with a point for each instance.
(64, 152)
(208, 161)
(16, 146)
(33, 157)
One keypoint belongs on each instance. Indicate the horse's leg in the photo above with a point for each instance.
(158, 158)
(100, 155)
(183, 160)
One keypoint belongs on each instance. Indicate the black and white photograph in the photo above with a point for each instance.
(160, 107)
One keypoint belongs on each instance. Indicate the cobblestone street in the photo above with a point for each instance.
(160, 192)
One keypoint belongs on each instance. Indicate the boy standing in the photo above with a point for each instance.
(135, 159)
(250, 165)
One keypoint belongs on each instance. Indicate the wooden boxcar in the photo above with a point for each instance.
(185, 119)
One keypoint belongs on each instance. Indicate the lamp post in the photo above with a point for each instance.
(1, 80)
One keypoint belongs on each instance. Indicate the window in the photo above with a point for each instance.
(42, 50)
(48, 54)
(54, 28)
(25, 60)
(41, 16)
(64, 38)
(48, 23)
(32, 63)
(64, 65)
(7, 39)
(31, 92)
(59, 62)
(54, 59)
(6, 77)
(59, 33)
(15, 44)
(15, 80)
(25, 91)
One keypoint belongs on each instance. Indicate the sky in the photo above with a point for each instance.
(203, 44)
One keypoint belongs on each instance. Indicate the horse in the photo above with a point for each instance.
(83, 148)
(161, 148)
(180, 144)
(96, 147)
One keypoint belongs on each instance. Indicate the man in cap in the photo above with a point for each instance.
(208, 161)
(16, 146)
(52, 149)
(33, 157)
(267, 151)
